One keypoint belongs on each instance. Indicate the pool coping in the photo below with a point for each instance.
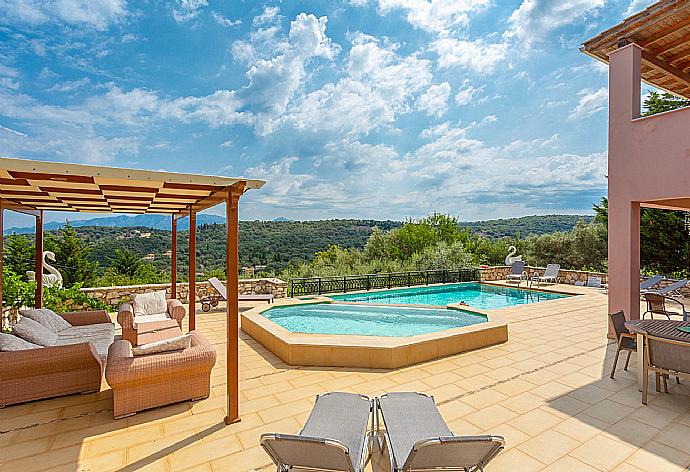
(384, 352)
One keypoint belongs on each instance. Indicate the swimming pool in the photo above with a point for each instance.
(482, 296)
(369, 320)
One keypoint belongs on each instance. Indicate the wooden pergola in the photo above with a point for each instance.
(33, 187)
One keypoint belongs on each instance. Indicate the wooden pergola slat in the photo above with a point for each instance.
(31, 187)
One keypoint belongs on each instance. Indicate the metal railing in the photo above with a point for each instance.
(352, 283)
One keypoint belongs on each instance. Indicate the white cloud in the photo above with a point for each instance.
(186, 10)
(275, 77)
(435, 100)
(379, 86)
(467, 93)
(476, 55)
(436, 16)
(223, 21)
(95, 13)
(533, 20)
(591, 102)
(636, 6)
(70, 86)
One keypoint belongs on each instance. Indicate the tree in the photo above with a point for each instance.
(19, 256)
(659, 103)
(125, 263)
(72, 257)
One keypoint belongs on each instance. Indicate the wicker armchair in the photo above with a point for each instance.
(125, 317)
(153, 380)
(52, 371)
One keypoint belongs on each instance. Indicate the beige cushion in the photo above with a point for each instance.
(143, 319)
(47, 318)
(150, 303)
(172, 344)
(9, 342)
(101, 335)
(34, 332)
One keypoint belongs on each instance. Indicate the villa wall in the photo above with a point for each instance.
(114, 296)
(565, 276)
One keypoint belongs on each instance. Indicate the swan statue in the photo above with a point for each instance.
(511, 257)
(54, 278)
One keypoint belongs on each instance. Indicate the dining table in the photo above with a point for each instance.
(667, 329)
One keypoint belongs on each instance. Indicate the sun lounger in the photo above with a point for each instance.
(674, 287)
(550, 274)
(335, 437)
(517, 272)
(418, 438)
(648, 283)
(222, 295)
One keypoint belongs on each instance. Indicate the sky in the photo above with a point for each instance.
(383, 109)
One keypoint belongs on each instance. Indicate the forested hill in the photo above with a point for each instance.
(275, 244)
(526, 225)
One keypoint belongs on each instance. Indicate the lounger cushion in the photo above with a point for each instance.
(410, 417)
(166, 345)
(343, 417)
(47, 318)
(150, 303)
(34, 332)
(9, 342)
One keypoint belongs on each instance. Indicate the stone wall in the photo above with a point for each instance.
(114, 296)
(488, 274)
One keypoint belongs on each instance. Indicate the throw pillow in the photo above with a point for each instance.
(34, 332)
(151, 303)
(172, 344)
(47, 318)
(9, 342)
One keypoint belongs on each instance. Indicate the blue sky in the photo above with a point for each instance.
(381, 109)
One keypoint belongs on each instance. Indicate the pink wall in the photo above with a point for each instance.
(649, 159)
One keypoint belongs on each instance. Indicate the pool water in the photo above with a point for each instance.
(482, 296)
(369, 320)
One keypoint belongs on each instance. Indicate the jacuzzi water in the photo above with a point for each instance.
(369, 320)
(482, 296)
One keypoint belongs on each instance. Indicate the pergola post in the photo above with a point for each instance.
(2, 248)
(232, 271)
(38, 302)
(173, 261)
(192, 269)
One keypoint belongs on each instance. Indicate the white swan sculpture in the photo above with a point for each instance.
(54, 279)
(511, 257)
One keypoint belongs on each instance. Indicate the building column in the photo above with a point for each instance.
(231, 272)
(192, 270)
(38, 299)
(624, 210)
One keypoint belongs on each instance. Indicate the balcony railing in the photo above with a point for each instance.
(352, 283)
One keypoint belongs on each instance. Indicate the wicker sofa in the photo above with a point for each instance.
(126, 318)
(153, 380)
(74, 365)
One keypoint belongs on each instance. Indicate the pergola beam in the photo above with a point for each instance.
(681, 76)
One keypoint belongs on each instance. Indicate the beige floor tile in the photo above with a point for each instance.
(603, 452)
(535, 421)
(569, 464)
(514, 460)
(490, 416)
(549, 446)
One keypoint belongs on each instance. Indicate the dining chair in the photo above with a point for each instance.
(625, 341)
(665, 357)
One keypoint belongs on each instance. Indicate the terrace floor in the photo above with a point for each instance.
(547, 390)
